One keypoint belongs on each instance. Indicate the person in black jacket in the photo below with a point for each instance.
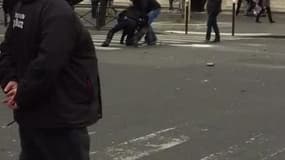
(214, 7)
(49, 74)
(152, 9)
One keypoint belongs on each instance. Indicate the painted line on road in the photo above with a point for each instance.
(272, 155)
(266, 66)
(107, 48)
(146, 145)
(192, 45)
(234, 149)
(224, 34)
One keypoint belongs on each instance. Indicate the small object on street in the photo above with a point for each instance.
(210, 64)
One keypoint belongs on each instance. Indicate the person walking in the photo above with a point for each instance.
(214, 7)
(49, 74)
(265, 6)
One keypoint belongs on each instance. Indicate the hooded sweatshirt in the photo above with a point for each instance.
(52, 57)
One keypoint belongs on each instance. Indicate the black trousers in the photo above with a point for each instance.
(128, 26)
(212, 23)
(54, 144)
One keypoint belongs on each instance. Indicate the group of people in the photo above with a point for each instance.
(256, 8)
(135, 22)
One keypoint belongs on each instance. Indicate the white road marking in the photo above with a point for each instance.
(193, 45)
(234, 149)
(91, 133)
(224, 34)
(107, 48)
(144, 146)
(272, 155)
(266, 66)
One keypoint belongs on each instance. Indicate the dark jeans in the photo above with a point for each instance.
(54, 144)
(212, 23)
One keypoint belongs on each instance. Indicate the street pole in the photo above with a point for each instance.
(187, 14)
(233, 17)
(101, 13)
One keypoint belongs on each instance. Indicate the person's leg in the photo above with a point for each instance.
(150, 35)
(124, 34)
(216, 29)
(251, 6)
(258, 16)
(29, 147)
(209, 27)
(269, 14)
(121, 25)
(130, 32)
(238, 6)
(63, 143)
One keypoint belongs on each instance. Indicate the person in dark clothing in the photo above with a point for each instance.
(265, 6)
(49, 74)
(250, 7)
(214, 7)
(130, 21)
(152, 9)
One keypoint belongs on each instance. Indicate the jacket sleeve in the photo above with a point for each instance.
(7, 65)
(57, 41)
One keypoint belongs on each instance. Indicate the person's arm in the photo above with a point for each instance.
(58, 38)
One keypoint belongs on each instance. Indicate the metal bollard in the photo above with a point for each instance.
(233, 17)
(187, 14)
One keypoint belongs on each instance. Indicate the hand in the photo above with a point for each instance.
(11, 91)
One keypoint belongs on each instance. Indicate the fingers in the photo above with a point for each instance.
(10, 85)
(11, 92)
(10, 102)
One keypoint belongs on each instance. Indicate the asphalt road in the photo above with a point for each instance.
(165, 103)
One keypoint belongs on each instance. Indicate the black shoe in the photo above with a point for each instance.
(216, 40)
(207, 41)
(258, 21)
(151, 43)
(272, 21)
(105, 44)
(121, 42)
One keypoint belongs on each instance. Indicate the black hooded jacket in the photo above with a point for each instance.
(52, 57)
(214, 6)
